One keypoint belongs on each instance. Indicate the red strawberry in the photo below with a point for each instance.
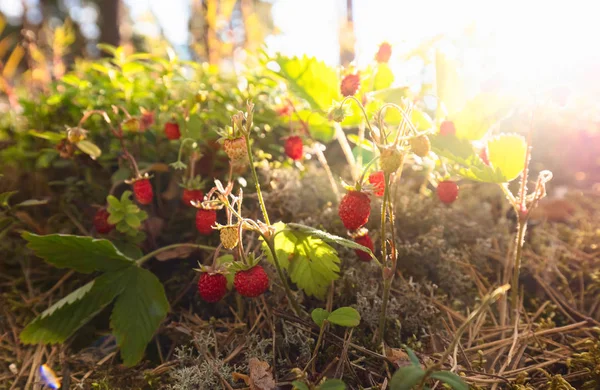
(252, 282)
(350, 84)
(294, 147)
(354, 209)
(101, 222)
(192, 195)
(364, 241)
(147, 119)
(212, 287)
(447, 191)
(285, 110)
(384, 53)
(483, 155)
(236, 149)
(377, 179)
(142, 189)
(205, 219)
(447, 128)
(172, 130)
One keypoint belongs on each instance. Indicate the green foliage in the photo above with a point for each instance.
(140, 306)
(89, 148)
(328, 237)
(451, 379)
(505, 166)
(311, 263)
(319, 316)
(82, 254)
(126, 215)
(344, 316)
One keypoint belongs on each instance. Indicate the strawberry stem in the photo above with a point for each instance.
(261, 201)
(150, 255)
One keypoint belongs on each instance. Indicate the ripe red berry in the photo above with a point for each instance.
(447, 128)
(377, 179)
(212, 287)
(447, 191)
(142, 189)
(205, 219)
(147, 119)
(350, 84)
(285, 110)
(101, 222)
(294, 147)
(354, 209)
(384, 53)
(191, 195)
(172, 131)
(252, 282)
(483, 155)
(364, 241)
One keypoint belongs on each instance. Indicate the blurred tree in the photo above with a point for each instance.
(109, 22)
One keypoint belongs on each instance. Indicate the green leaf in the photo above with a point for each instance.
(319, 126)
(479, 114)
(113, 202)
(319, 316)
(345, 316)
(300, 385)
(411, 355)
(333, 384)
(328, 237)
(120, 175)
(383, 78)
(310, 262)
(506, 153)
(311, 80)
(89, 148)
(365, 144)
(450, 379)
(391, 95)
(406, 378)
(5, 197)
(137, 314)
(49, 135)
(32, 202)
(83, 254)
(63, 318)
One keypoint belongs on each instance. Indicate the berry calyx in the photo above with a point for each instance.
(383, 53)
(364, 240)
(190, 196)
(101, 222)
(229, 236)
(355, 209)
(205, 220)
(377, 179)
(172, 131)
(420, 145)
(142, 190)
(212, 287)
(350, 84)
(294, 147)
(447, 191)
(251, 282)
(447, 128)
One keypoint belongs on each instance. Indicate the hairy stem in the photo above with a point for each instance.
(514, 294)
(261, 201)
(150, 255)
(387, 279)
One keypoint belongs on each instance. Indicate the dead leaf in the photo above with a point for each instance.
(261, 377)
(553, 210)
(397, 356)
(175, 253)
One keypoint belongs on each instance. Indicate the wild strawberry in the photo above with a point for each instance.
(132, 124)
(350, 84)
(285, 110)
(236, 149)
(142, 190)
(172, 131)
(252, 282)
(147, 119)
(447, 128)
(354, 209)
(101, 222)
(65, 148)
(364, 240)
(391, 159)
(483, 155)
(447, 191)
(377, 179)
(294, 147)
(229, 236)
(190, 196)
(383, 53)
(212, 287)
(205, 219)
(420, 145)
